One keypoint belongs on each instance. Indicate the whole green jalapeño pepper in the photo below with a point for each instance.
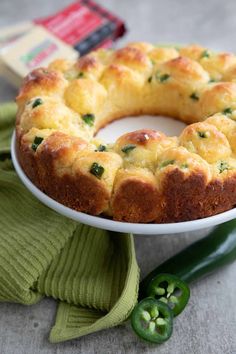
(152, 320)
(200, 258)
(171, 290)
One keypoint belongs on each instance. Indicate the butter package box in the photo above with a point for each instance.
(84, 25)
(75, 30)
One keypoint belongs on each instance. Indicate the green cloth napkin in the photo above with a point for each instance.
(92, 273)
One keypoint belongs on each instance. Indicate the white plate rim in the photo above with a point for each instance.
(117, 226)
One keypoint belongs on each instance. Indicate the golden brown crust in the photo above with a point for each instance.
(132, 57)
(136, 197)
(217, 98)
(26, 158)
(158, 55)
(207, 141)
(141, 137)
(41, 81)
(192, 51)
(193, 198)
(89, 66)
(185, 69)
(78, 192)
(144, 176)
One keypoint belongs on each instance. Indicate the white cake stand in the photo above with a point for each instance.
(109, 134)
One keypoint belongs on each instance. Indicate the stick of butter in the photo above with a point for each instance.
(36, 48)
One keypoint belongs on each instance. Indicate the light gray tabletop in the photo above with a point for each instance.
(208, 325)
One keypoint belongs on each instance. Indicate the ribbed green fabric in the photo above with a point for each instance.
(103, 278)
(74, 321)
(7, 119)
(93, 272)
(31, 236)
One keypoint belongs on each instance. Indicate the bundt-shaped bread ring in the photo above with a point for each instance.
(144, 176)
